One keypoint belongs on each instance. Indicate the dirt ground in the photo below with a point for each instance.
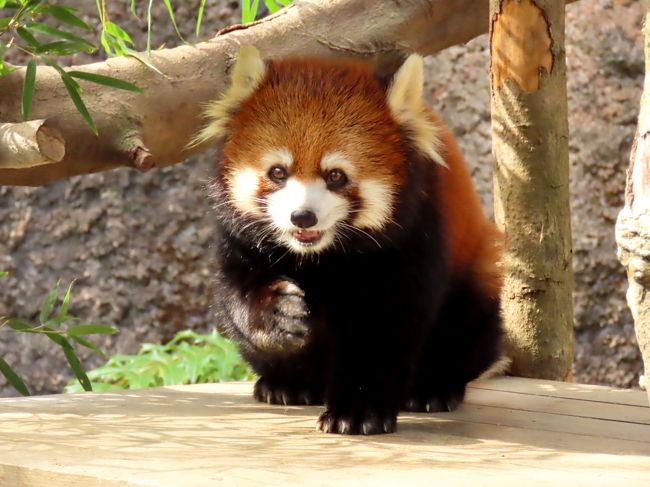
(139, 246)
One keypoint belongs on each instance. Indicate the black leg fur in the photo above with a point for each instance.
(465, 341)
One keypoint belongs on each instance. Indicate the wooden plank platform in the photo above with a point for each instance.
(509, 432)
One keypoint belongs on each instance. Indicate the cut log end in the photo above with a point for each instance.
(142, 159)
(521, 45)
(29, 144)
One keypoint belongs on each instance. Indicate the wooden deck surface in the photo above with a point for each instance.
(509, 432)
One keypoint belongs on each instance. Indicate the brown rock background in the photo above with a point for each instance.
(139, 246)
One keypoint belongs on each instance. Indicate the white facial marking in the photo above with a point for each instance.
(377, 205)
(245, 182)
(336, 160)
(296, 195)
(244, 185)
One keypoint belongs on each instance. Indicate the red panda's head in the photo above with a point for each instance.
(315, 149)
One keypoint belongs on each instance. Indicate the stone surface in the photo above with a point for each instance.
(139, 245)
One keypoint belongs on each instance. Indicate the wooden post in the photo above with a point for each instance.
(531, 183)
(633, 223)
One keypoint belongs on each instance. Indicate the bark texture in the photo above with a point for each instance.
(633, 223)
(152, 129)
(531, 182)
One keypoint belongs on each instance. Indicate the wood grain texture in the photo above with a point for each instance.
(509, 431)
(531, 183)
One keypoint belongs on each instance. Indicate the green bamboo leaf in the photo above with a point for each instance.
(74, 91)
(117, 32)
(75, 365)
(105, 80)
(51, 31)
(103, 39)
(28, 37)
(9, 4)
(3, 274)
(249, 11)
(64, 48)
(13, 378)
(88, 344)
(284, 3)
(28, 89)
(100, 12)
(149, 27)
(63, 309)
(91, 329)
(168, 4)
(271, 6)
(199, 17)
(18, 325)
(136, 55)
(65, 15)
(48, 304)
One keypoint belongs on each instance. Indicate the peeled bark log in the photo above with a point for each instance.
(530, 147)
(633, 223)
(152, 129)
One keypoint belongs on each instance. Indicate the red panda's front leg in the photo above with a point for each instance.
(269, 319)
(366, 382)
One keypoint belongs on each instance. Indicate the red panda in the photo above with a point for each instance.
(356, 266)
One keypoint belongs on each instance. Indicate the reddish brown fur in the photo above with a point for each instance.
(302, 93)
(320, 106)
(473, 241)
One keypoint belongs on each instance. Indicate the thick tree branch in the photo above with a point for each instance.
(152, 129)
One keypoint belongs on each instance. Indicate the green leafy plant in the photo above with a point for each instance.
(249, 8)
(61, 328)
(27, 29)
(189, 358)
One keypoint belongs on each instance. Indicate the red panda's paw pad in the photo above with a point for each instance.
(437, 403)
(367, 422)
(274, 393)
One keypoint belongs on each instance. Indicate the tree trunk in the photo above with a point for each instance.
(633, 223)
(152, 129)
(531, 183)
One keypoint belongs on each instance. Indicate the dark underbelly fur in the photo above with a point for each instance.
(379, 328)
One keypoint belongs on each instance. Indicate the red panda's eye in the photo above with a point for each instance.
(278, 174)
(336, 179)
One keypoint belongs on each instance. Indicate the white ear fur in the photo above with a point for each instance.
(248, 71)
(405, 101)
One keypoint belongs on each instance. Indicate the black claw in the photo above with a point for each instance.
(365, 423)
(287, 395)
(436, 403)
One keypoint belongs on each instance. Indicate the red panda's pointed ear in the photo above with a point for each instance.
(248, 71)
(405, 101)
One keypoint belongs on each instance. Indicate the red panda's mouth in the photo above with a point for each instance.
(307, 236)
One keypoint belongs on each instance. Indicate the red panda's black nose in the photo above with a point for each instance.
(304, 218)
